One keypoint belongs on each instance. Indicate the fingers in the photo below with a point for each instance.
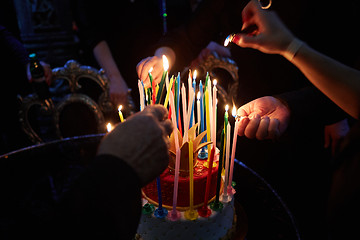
(158, 111)
(145, 65)
(274, 126)
(258, 127)
(251, 129)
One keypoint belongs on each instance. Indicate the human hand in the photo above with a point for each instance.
(263, 118)
(144, 66)
(334, 134)
(211, 47)
(271, 36)
(118, 91)
(142, 141)
(47, 72)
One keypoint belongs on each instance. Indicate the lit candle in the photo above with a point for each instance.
(226, 120)
(198, 111)
(207, 112)
(225, 197)
(152, 83)
(120, 113)
(141, 93)
(193, 90)
(165, 66)
(229, 188)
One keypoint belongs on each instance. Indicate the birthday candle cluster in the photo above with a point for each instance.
(169, 93)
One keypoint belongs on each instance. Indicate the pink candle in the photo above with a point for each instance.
(229, 188)
(214, 113)
(175, 215)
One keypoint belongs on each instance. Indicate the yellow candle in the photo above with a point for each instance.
(120, 114)
(208, 129)
(168, 92)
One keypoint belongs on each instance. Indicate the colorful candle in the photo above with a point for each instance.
(191, 173)
(216, 205)
(225, 197)
(141, 93)
(191, 214)
(204, 211)
(120, 113)
(229, 188)
(198, 111)
(183, 97)
(165, 66)
(175, 215)
(168, 92)
(178, 119)
(193, 89)
(190, 109)
(207, 112)
(214, 101)
(201, 108)
(152, 83)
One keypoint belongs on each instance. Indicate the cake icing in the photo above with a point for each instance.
(219, 225)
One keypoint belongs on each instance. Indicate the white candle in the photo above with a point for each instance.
(183, 98)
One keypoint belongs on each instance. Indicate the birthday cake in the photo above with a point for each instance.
(193, 197)
(193, 221)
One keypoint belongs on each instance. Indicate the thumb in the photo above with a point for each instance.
(246, 41)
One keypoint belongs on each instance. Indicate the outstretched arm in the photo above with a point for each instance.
(336, 80)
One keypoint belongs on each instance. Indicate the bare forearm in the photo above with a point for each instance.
(105, 59)
(336, 80)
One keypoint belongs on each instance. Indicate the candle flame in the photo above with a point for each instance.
(228, 39)
(214, 82)
(194, 75)
(109, 127)
(226, 107)
(234, 111)
(120, 107)
(165, 62)
(150, 70)
(198, 96)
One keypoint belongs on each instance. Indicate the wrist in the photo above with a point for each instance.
(292, 49)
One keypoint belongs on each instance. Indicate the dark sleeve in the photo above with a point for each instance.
(12, 48)
(90, 18)
(309, 106)
(104, 203)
